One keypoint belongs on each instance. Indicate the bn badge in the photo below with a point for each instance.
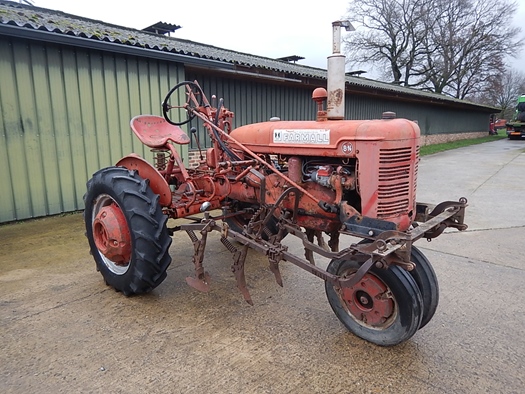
(347, 148)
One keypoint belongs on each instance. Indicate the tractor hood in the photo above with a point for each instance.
(322, 138)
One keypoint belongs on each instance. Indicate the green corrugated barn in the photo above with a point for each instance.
(70, 85)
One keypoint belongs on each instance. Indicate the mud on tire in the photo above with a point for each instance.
(129, 195)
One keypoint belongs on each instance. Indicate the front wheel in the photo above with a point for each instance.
(126, 230)
(384, 308)
(427, 282)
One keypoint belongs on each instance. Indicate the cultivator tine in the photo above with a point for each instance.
(274, 267)
(239, 257)
(201, 281)
(318, 234)
(308, 253)
(333, 242)
(320, 240)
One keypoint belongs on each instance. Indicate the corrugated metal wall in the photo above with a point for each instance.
(259, 101)
(255, 101)
(432, 119)
(65, 114)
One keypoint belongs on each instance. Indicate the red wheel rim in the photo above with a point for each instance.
(111, 234)
(369, 302)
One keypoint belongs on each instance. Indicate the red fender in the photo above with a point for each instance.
(156, 181)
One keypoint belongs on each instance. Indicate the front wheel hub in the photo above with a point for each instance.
(369, 301)
(111, 234)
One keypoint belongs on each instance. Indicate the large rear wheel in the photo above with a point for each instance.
(126, 230)
(384, 308)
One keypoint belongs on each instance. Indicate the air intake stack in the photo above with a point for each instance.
(336, 73)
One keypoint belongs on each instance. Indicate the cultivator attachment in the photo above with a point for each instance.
(388, 248)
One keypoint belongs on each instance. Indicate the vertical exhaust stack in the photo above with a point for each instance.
(336, 73)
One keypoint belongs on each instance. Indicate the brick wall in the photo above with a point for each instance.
(193, 158)
(441, 138)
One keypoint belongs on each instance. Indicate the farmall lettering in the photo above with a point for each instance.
(259, 183)
(306, 137)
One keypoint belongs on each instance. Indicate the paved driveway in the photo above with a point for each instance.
(63, 331)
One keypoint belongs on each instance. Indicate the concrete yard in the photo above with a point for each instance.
(64, 331)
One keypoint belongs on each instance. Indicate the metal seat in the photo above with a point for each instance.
(155, 132)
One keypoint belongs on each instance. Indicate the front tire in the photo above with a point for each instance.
(126, 230)
(427, 282)
(384, 308)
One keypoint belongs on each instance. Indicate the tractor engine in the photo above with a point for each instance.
(363, 170)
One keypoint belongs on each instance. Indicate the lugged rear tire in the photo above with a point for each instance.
(129, 196)
(384, 308)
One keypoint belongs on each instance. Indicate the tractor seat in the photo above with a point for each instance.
(155, 132)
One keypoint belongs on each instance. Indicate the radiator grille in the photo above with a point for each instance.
(394, 187)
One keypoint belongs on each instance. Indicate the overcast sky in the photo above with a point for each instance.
(270, 28)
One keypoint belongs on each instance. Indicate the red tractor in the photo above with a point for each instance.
(265, 181)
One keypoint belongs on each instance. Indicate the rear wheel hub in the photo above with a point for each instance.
(111, 234)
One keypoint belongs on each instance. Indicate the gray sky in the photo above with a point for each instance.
(270, 28)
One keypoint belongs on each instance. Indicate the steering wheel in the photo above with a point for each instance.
(194, 99)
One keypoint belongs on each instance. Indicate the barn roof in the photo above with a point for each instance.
(49, 25)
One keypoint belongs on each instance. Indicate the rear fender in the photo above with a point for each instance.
(156, 181)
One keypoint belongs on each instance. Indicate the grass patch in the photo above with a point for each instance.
(431, 149)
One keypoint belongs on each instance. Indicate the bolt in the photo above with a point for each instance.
(371, 232)
(363, 300)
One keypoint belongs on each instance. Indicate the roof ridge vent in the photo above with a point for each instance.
(162, 28)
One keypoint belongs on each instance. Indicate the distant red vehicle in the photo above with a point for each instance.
(497, 125)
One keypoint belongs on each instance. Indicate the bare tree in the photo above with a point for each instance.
(447, 46)
(468, 44)
(391, 35)
(503, 91)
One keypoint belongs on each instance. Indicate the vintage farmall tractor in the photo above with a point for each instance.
(261, 182)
